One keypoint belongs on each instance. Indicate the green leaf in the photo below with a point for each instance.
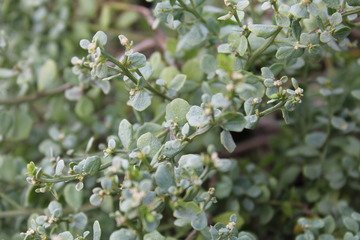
(242, 4)
(199, 222)
(177, 82)
(234, 122)
(325, 37)
(246, 236)
(284, 52)
(339, 123)
(282, 20)
(191, 70)
(84, 107)
(227, 141)
(330, 224)
(7, 73)
(254, 191)
(353, 2)
(263, 30)
(154, 236)
(65, 236)
(335, 4)
(140, 100)
(186, 211)
(312, 171)
(243, 45)
(225, 216)
(123, 234)
(6, 121)
(127, 19)
(266, 214)
(190, 162)
(196, 117)
(296, 28)
(197, 35)
(224, 48)
(299, 10)
(356, 216)
(148, 127)
(351, 224)
(341, 32)
(168, 73)
(164, 177)
(96, 231)
(252, 87)
(125, 133)
(79, 221)
(289, 175)
(208, 65)
(335, 19)
(73, 197)
(92, 165)
(157, 64)
(21, 125)
(223, 187)
(136, 60)
(355, 93)
(47, 75)
(105, 17)
(55, 209)
(176, 111)
(315, 139)
(148, 139)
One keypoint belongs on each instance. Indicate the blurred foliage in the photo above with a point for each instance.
(116, 144)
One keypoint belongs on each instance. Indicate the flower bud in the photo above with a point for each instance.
(123, 40)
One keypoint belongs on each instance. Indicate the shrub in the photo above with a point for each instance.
(121, 144)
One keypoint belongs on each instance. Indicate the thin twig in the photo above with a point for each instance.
(35, 96)
(17, 213)
(129, 74)
(248, 145)
(262, 48)
(145, 45)
(146, 13)
(192, 235)
(272, 109)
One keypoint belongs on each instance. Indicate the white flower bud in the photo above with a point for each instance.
(236, 76)
(230, 226)
(123, 40)
(227, 3)
(230, 87)
(277, 83)
(299, 91)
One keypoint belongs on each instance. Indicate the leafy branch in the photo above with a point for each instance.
(131, 76)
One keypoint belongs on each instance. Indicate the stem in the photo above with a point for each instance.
(350, 12)
(151, 88)
(272, 109)
(162, 134)
(70, 177)
(195, 13)
(132, 77)
(192, 11)
(16, 213)
(10, 200)
(192, 235)
(26, 212)
(262, 48)
(237, 18)
(36, 96)
(192, 137)
(138, 116)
